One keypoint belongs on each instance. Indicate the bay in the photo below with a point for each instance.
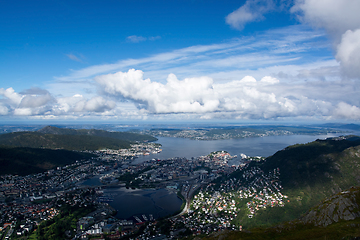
(256, 146)
(162, 202)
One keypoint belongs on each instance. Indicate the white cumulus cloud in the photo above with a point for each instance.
(11, 95)
(336, 16)
(79, 104)
(344, 110)
(348, 53)
(341, 19)
(3, 110)
(188, 95)
(245, 98)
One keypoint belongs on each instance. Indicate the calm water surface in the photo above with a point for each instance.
(257, 146)
(135, 202)
(162, 202)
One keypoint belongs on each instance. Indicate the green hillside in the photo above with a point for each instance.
(314, 171)
(337, 217)
(24, 161)
(309, 173)
(70, 139)
(68, 142)
(322, 182)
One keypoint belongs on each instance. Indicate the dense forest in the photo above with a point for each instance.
(24, 161)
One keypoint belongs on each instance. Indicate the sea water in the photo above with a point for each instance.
(163, 202)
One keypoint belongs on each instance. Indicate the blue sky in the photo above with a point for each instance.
(180, 60)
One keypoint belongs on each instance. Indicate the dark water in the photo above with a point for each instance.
(94, 181)
(257, 146)
(130, 202)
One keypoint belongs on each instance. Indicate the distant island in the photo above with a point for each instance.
(71, 139)
(231, 132)
(29, 152)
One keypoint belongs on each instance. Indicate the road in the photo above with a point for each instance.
(188, 196)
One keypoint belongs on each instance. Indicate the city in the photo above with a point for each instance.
(29, 202)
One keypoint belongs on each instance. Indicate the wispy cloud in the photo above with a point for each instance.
(252, 10)
(137, 39)
(74, 57)
(271, 47)
(154, 38)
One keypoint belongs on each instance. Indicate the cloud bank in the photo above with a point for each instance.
(130, 95)
(39, 102)
(246, 98)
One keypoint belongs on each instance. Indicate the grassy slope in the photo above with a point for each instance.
(303, 230)
(340, 230)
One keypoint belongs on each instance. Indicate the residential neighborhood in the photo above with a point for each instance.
(27, 202)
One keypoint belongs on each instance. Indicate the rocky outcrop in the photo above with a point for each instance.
(342, 206)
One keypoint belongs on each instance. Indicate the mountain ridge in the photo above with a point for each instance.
(309, 173)
(95, 132)
(70, 139)
(24, 161)
(322, 182)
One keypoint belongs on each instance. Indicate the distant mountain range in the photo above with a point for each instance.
(27, 152)
(71, 139)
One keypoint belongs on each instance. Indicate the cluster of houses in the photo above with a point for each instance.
(46, 185)
(261, 191)
(181, 168)
(139, 149)
(264, 190)
(213, 209)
